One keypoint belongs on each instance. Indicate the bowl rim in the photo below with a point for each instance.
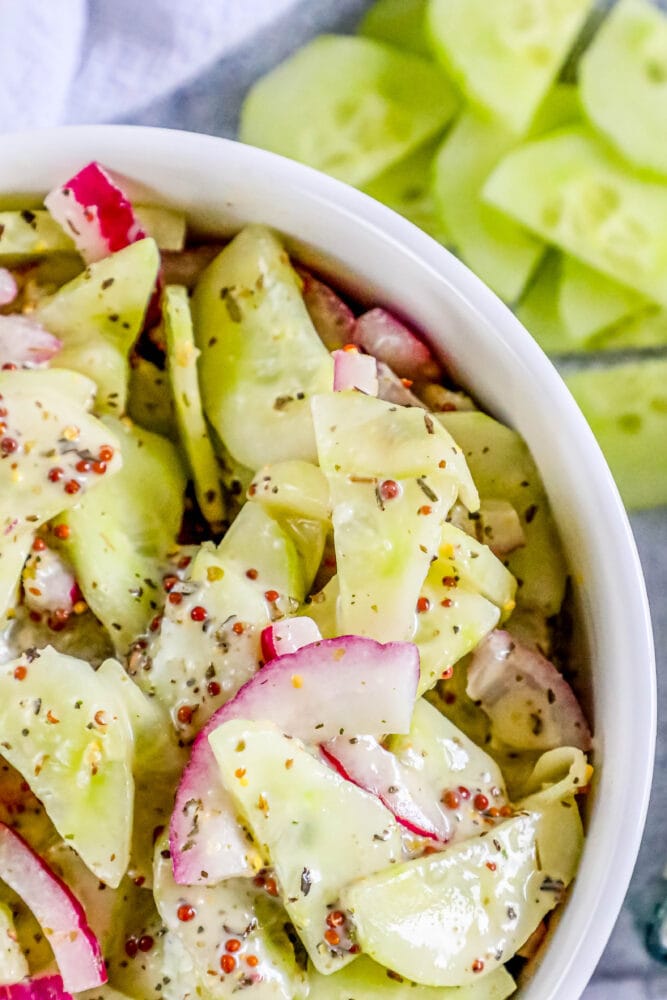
(587, 928)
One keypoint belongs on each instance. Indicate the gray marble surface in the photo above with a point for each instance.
(211, 104)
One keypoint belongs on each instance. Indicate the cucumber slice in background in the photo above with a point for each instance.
(589, 302)
(398, 22)
(407, 187)
(150, 402)
(626, 407)
(30, 233)
(13, 966)
(65, 729)
(573, 191)
(164, 225)
(623, 81)
(504, 469)
(348, 106)
(501, 252)
(366, 980)
(506, 54)
(182, 365)
(646, 329)
(430, 919)
(305, 815)
(260, 354)
(98, 316)
(119, 536)
(538, 307)
(560, 107)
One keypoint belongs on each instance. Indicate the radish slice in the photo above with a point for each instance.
(25, 343)
(43, 988)
(387, 339)
(530, 704)
(393, 389)
(8, 287)
(61, 916)
(353, 370)
(288, 635)
(48, 583)
(95, 212)
(333, 320)
(352, 684)
(369, 766)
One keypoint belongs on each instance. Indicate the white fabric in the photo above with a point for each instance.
(65, 61)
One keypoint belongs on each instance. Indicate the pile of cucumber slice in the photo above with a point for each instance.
(534, 147)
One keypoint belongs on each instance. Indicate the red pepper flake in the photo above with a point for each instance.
(213, 689)
(506, 811)
(99, 468)
(477, 965)
(175, 597)
(184, 714)
(271, 887)
(451, 799)
(351, 348)
(271, 595)
(491, 865)
(227, 963)
(447, 673)
(169, 582)
(425, 509)
(51, 718)
(233, 945)
(38, 545)
(252, 489)
(155, 624)
(407, 382)
(83, 465)
(186, 913)
(252, 961)
(389, 489)
(139, 881)
(252, 574)
(463, 792)
(238, 628)
(447, 603)
(184, 562)
(62, 531)
(480, 802)
(8, 445)
(449, 581)
(450, 697)
(146, 942)
(105, 453)
(198, 614)
(71, 486)
(131, 947)
(423, 604)
(20, 672)
(56, 474)
(331, 938)
(9, 367)
(336, 918)
(100, 718)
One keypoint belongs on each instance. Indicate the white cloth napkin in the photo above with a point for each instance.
(70, 61)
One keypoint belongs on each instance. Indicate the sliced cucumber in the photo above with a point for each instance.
(366, 980)
(622, 77)
(257, 541)
(538, 309)
(182, 364)
(233, 909)
(119, 536)
(14, 551)
(407, 187)
(294, 488)
(505, 55)
(571, 190)
(98, 316)
(431, 919)
(150, 402)
(65, 729)
(166, 226)
(590, 302)
(349, 106)
(305, 815)
(137, 973)
(646, 329)
(501, 252)
(13, 966)
(560, 107)
(504, 469)
(398, 22)
(626, 406)
(260, 354)
(464, 560)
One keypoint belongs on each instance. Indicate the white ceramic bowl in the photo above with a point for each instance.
(382, 258)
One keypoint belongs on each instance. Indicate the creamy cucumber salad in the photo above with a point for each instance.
(285, 661)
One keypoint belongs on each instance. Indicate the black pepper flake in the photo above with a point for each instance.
(107, 283)
(306, 881)
(538, 724)
(530, 513)
(429, 424)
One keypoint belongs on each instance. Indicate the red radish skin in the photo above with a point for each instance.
(530, 704)
(353, 370)
(95, 212)
(59, 913)
(381, 334)
(351, 683)
(393, 389)
(8, 287)
(288, 635)
(42, 988)
(25, 343)
(331, 317)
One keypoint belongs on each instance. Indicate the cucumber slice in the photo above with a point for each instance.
(407, 188)
(571, 190)
(304, 815)
(14, 551)
(398, 22)
(260, 354)
(182, 365)
(622, 78)
(626, 406)
(119, 537)
(538, 309)
(647, 329)
(66, 731)
(431, 919)
(150, 402)
(505, 55)
(293, 488)
(257, 541)
(560, 107)
(98, 316)
(137, 973)
(502, 253)
(166, 226)
(504, 469)
(366, 980)
(13, 966)
(233, 909)
(348, 106)
(589, 302)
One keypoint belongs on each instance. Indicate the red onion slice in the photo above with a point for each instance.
(8, 287)
(331, 317)
(288, 635)
(25, 343)
(381, 334)
(41, 988)
(353, 370)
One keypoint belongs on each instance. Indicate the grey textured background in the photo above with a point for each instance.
(211, 104)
